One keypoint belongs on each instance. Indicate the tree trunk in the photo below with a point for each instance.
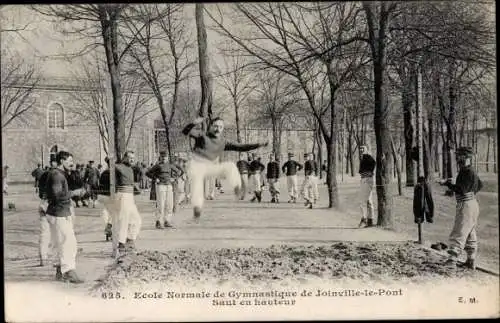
(205, 76)
(398, 168)
(320, 151)
(276, 135)
(237, 118)
(488, 153)
(409, 135)
(377, 28)
(109, 30)
(332, 144)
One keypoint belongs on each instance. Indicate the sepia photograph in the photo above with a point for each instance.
(238, 161)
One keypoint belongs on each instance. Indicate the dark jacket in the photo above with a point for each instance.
(255, 166)
(273, 170)
(367, 166)
(165, 172)
(467, 181)
(242, 166)
(291, 167)
(75, 181)
(37, 173)
(92, 176)
(423, 204)
(58, 194)
(311, 168)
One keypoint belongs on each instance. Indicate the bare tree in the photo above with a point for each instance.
(236, 79)
(273, 104)
(19, 81)
(161, 56)
(92, 102)
(301, 41)
(204, 63)
(102, 25)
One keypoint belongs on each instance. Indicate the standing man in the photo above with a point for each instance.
(126, 219)
(92, 181)
(37, 173)
(310, 186)
(463, 235)
(5, 185)
(164, 175)
(60, 218)
(144, 178)
(45, 238)
(104, 189)
(208, 146)
(255, 170)
(273, 175)
(180, 195)
(290, 168)
(243, 166)
(366, 170)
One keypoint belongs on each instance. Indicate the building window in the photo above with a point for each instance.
(56, 116)
(53, 153)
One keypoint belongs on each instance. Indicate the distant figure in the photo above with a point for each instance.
(91, 180)
(366, 171)
(242, 166)
(273, 175)
(255, 170)
(5, 179)
(37, 173)
(290, 168)
(310, 185)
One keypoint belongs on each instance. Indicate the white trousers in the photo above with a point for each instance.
(46, 240)
(106, 215)
(180, 195)
(365, 197)
(310, 188)
(126, 219)
(255, 182)
(273, 187)
(165, 202)
(210, 187)
(463, 235)
(199, 169)
(61, 229)
(292, 183)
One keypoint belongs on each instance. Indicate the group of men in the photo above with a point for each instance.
(252, 178)
(57, 211)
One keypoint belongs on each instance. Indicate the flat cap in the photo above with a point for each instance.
(290, 154)
(163, 153)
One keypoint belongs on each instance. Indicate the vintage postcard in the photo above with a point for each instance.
(249, 161)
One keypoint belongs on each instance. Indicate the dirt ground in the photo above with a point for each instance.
(254, 243)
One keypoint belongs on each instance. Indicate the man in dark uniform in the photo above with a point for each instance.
(254, 170)
(242, 166)
(92, 181)
(164, 174)
(126, 220)
(290, 168)
(366, 171)
(273, 175)
(310, 186)
(60, 214)
(45, 238)
(37, 173)
(463, 235)
(75, 182)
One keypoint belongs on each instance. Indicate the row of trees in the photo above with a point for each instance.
(326, 64)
